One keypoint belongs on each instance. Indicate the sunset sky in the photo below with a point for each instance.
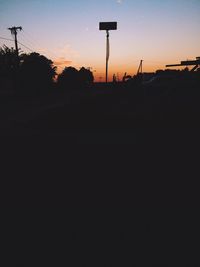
(67, 32)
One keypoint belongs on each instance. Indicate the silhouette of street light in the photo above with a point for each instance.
(107, 26)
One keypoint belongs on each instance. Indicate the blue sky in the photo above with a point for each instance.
(157, 31)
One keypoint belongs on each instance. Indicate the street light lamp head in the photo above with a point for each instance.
(107, 26)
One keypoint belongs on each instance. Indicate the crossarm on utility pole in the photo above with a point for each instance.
(13, 31)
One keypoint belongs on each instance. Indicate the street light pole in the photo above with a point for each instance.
(106, 26)
(107, 53)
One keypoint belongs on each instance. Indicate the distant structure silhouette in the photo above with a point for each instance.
(126, 77)
(140, 70)
(114, 78)
(195, 63)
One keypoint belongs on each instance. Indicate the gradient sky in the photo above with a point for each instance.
(157, 31)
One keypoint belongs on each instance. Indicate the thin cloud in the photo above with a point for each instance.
(119, 1)
(67, 50)
(62, 62)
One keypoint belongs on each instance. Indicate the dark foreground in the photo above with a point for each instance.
(148, 136)
(132, 195)
(113, 114)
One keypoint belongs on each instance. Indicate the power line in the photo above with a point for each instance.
(3, 38)
(25, 46)
(7, 39)
(28, 44)
(30, 39)
(34, 43)
(12, 40)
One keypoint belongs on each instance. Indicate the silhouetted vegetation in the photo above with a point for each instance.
(71, 78)
(85, 76)
(68, 78)
(167, 98)
(7, 68)
(36, 73)
(7, 60)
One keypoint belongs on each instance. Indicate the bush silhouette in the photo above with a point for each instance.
(7, 67)
(71, 78)
(85, 76)
(7, 60)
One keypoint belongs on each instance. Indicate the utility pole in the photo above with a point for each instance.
(13, 31)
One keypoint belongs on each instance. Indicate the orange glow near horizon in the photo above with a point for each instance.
(99, 73)
(67, 32)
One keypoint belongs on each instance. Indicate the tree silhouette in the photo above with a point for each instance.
(85, 76)
(72, 78)
(69, 78)
(36, 73)
(7, 67)
(7, 59)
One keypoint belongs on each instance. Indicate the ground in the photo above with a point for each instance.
(115, 114)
